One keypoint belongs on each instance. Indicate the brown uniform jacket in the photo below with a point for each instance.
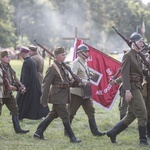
(55, 95)
(40, 66)
(131, 65)
(1, 84)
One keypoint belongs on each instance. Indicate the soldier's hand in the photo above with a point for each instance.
(128, 96)
(13, 88)
(44, 104)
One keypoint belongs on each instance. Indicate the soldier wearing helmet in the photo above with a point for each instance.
(78, 98)
(135, 37)
(132, 78)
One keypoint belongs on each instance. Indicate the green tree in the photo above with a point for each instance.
(7, 36)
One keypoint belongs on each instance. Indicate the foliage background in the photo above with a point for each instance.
(49, 21)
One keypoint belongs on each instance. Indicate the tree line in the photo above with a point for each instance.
(49, 21)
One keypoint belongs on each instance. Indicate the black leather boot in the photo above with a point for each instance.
(148, 130)
(94, 128)
(41, 128)
(65, 132)
(122, 116)
(16, 125)
(119, 127)
(142, 136)
(70, 133)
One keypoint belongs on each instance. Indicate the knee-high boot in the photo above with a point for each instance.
(16, 125)
(65, 131)
(42, 127)
(70, 133)
(148, 130)
(142, 135)
(94, 129)
(119, 127)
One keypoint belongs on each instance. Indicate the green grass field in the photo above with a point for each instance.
(127, 140)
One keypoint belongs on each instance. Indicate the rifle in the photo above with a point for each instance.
(139, 52)
(123, 37)
(75, 77)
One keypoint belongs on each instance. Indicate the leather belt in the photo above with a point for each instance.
(134, 78)
(61, 85)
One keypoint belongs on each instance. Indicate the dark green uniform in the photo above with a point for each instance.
(132, 74)
(56, 90)
(146, 94)
(132, 78)
(8, 98)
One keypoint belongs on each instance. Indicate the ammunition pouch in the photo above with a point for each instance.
(86, 91)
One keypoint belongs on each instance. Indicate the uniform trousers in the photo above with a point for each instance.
(136, 109)
(76, 102)
(59, 110)
(11, 105)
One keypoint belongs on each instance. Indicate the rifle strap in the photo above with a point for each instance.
(57, 69)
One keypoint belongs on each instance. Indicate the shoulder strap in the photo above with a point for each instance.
(57, 69)
(85, 69)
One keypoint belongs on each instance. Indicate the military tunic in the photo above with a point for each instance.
(40, 66)
(8, 99)
(56, 92)
(132, 66)
(1, 90)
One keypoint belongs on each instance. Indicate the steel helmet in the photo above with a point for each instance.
(82, 48)
(135, 37)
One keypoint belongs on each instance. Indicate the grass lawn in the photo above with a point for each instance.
(127, 140)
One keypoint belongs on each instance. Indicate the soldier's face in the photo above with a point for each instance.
(61, 57)
(6, 59)
(140, 43)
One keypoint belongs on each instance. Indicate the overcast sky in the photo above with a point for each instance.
(145, 1)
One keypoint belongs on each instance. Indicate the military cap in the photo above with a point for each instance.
(59, 50)
(32, 47)
(4, 53)
(24, 49)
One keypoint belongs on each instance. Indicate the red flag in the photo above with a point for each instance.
(102, 67)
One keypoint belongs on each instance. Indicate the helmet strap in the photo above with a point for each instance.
(84, 55)
(136, 45)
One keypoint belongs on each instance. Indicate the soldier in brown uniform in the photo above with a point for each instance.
(1, 90)
(11, 85)
(80, 68)
(132, 77)
(146, 94)
(38, 60)
(56, 88)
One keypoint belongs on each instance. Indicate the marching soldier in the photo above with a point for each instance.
(56, 88)
(146, 94)
(10, 85)
(38, 60)
(78, 97)
(132, 78)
